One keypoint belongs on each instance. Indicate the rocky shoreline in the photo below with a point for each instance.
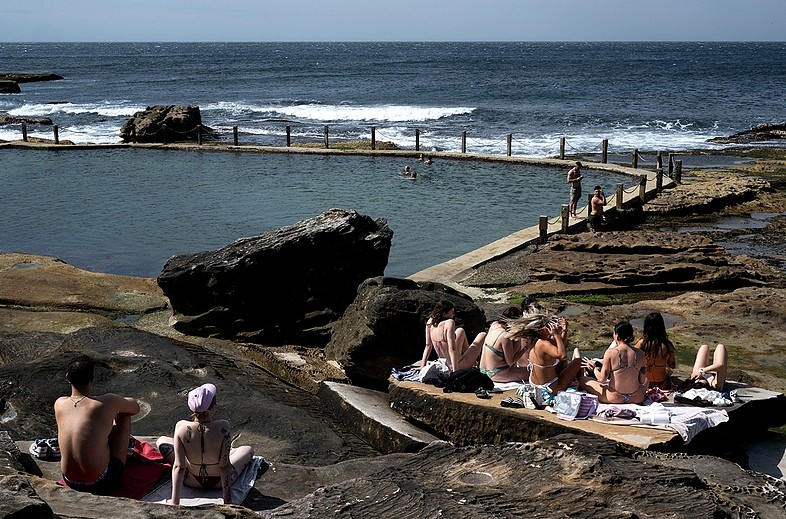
(50, 309)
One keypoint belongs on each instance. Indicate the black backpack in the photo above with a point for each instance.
(466, 381)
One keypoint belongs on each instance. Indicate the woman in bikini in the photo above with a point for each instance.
(200, 452)
(450, 342)
(501, 355)
(711, 376)
(548, 358)
(621, 378)
(659, 356)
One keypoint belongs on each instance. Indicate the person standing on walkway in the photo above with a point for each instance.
(574, 179)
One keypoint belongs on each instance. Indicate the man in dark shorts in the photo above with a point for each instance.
(92, 431)
(597, 203)
(574, 179)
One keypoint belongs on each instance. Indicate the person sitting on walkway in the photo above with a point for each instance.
(712, 376)
(659, 355)
(621, 377)
(450, 341)
(92, 431)
(596, 209)
(501, 355)
(548, 359)
(201, 451)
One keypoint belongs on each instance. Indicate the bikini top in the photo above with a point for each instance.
(619, 357)
(202, 465)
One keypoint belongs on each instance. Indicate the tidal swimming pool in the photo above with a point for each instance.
(126, 211)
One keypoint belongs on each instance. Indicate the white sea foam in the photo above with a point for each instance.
(341, 112)
(106, 109)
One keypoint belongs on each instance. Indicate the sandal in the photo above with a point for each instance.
(482, 393)
(512, 402)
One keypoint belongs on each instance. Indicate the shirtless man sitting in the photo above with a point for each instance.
(92, 431)
(597, 203)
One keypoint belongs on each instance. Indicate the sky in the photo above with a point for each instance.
(393, 20)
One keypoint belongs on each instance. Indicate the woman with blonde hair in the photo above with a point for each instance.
(548, 359)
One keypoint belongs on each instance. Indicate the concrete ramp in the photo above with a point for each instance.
(367, 414)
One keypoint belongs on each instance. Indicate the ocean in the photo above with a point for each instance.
(127, 211)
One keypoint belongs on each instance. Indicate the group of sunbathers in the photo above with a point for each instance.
(93, 434)
(527, 344)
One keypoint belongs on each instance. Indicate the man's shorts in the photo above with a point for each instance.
(575, 193)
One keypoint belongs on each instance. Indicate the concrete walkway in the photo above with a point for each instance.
(450, 270)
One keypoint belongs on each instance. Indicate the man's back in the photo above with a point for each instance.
(83, 428)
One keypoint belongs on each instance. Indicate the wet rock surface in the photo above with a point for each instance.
(760, 133)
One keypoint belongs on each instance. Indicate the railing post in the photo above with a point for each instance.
(565, 216)
(464, 141)
(199, 135)
(543, 228)
(619, 195)
(24, 132)
(635, 161)
(643, 188)
(164, 132)
(373, 138)
(562, 148)
(417, 139)
(289, 135)
(234, 135)
(671, 163)
(678, 171)
(510, 144)
(659, 161)
(605, 154)
(327, 138)
(56, 132)
(659, 180)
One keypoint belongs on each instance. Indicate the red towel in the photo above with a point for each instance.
(144, 469)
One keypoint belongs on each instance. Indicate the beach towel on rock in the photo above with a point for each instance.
(685, 420)
(144, 470)
(190, 496)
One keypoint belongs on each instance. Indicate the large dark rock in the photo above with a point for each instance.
(384, 327)
(8, 119)
(163, 124)
(9, 87)
(29, 77)
(285, 286)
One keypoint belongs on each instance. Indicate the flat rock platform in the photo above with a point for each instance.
(465, 420)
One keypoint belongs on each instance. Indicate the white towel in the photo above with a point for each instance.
(190, 496)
